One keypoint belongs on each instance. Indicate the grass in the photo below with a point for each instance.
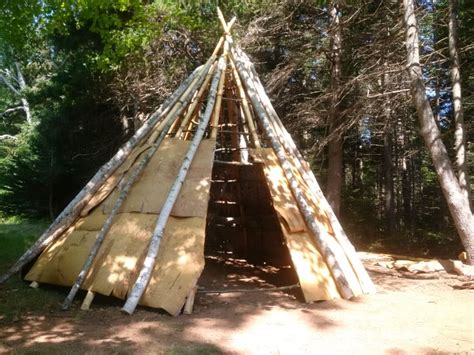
(16, 297)
(15, 236)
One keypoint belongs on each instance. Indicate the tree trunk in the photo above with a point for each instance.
(388, 178)
(457, 201)
(335, 152)
(24, 101)
(8, 79)
(406, 192)
(460, 131)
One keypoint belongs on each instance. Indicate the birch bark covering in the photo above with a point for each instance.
(126, 187)
(73, 209)
(148, 264)
(339, 267)
(124, 190)
(305, 171)
(457, 201)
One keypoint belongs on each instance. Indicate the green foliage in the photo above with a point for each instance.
(19, 28)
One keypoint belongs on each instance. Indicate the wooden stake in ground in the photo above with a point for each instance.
(188, 306)
(145, 273)
(73, 209)
(86, 304)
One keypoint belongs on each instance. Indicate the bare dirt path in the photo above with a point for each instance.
(406, 316)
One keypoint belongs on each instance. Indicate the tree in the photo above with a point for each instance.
(457, 201)
(15, 82)
(460, 129)
(335, 151)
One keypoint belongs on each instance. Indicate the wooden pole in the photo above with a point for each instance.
(339, 267)
(197, 82)
(156, 139)
(188, 132)
(196, 101)
(245, 106)
(307, 174)
(147, 269)
(180, 104)
(234, 131)
(222, 19)
(86, 304)
(123, 193)
(244, 137)
(225, 25)
(220, 90)
(73, 209)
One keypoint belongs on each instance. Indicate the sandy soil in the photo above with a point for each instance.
(406, 316)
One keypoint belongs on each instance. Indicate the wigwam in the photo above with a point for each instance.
(137, 230)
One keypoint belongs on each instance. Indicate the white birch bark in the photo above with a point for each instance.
(305, 171)
(457, 201)
(9, 78)
(149, 263)
(124, 189)
(24, 101)
(339, 267)
(73, 209)
(335, 151)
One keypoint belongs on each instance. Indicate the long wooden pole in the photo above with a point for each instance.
(180, 104)
(196, 101)
(245, 106)
(73, 209)
(339, 267)
(298, 160)
(146, 271)
(159, 134)
(220, 91)
(123, 193)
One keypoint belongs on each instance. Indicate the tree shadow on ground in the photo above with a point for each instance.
(104, 329)
(264, 322)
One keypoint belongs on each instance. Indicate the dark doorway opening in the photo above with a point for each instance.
(245, 246)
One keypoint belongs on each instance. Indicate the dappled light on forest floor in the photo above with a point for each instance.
(405, 316)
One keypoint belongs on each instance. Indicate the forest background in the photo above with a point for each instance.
(77, 78)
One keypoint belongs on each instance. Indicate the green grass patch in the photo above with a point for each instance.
(16, 297)
(16, 235)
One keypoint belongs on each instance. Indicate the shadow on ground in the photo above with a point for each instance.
(211, 329)
(406, 316)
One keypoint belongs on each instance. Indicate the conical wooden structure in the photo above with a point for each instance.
(137, 229)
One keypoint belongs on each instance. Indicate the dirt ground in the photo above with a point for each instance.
(406, 316)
